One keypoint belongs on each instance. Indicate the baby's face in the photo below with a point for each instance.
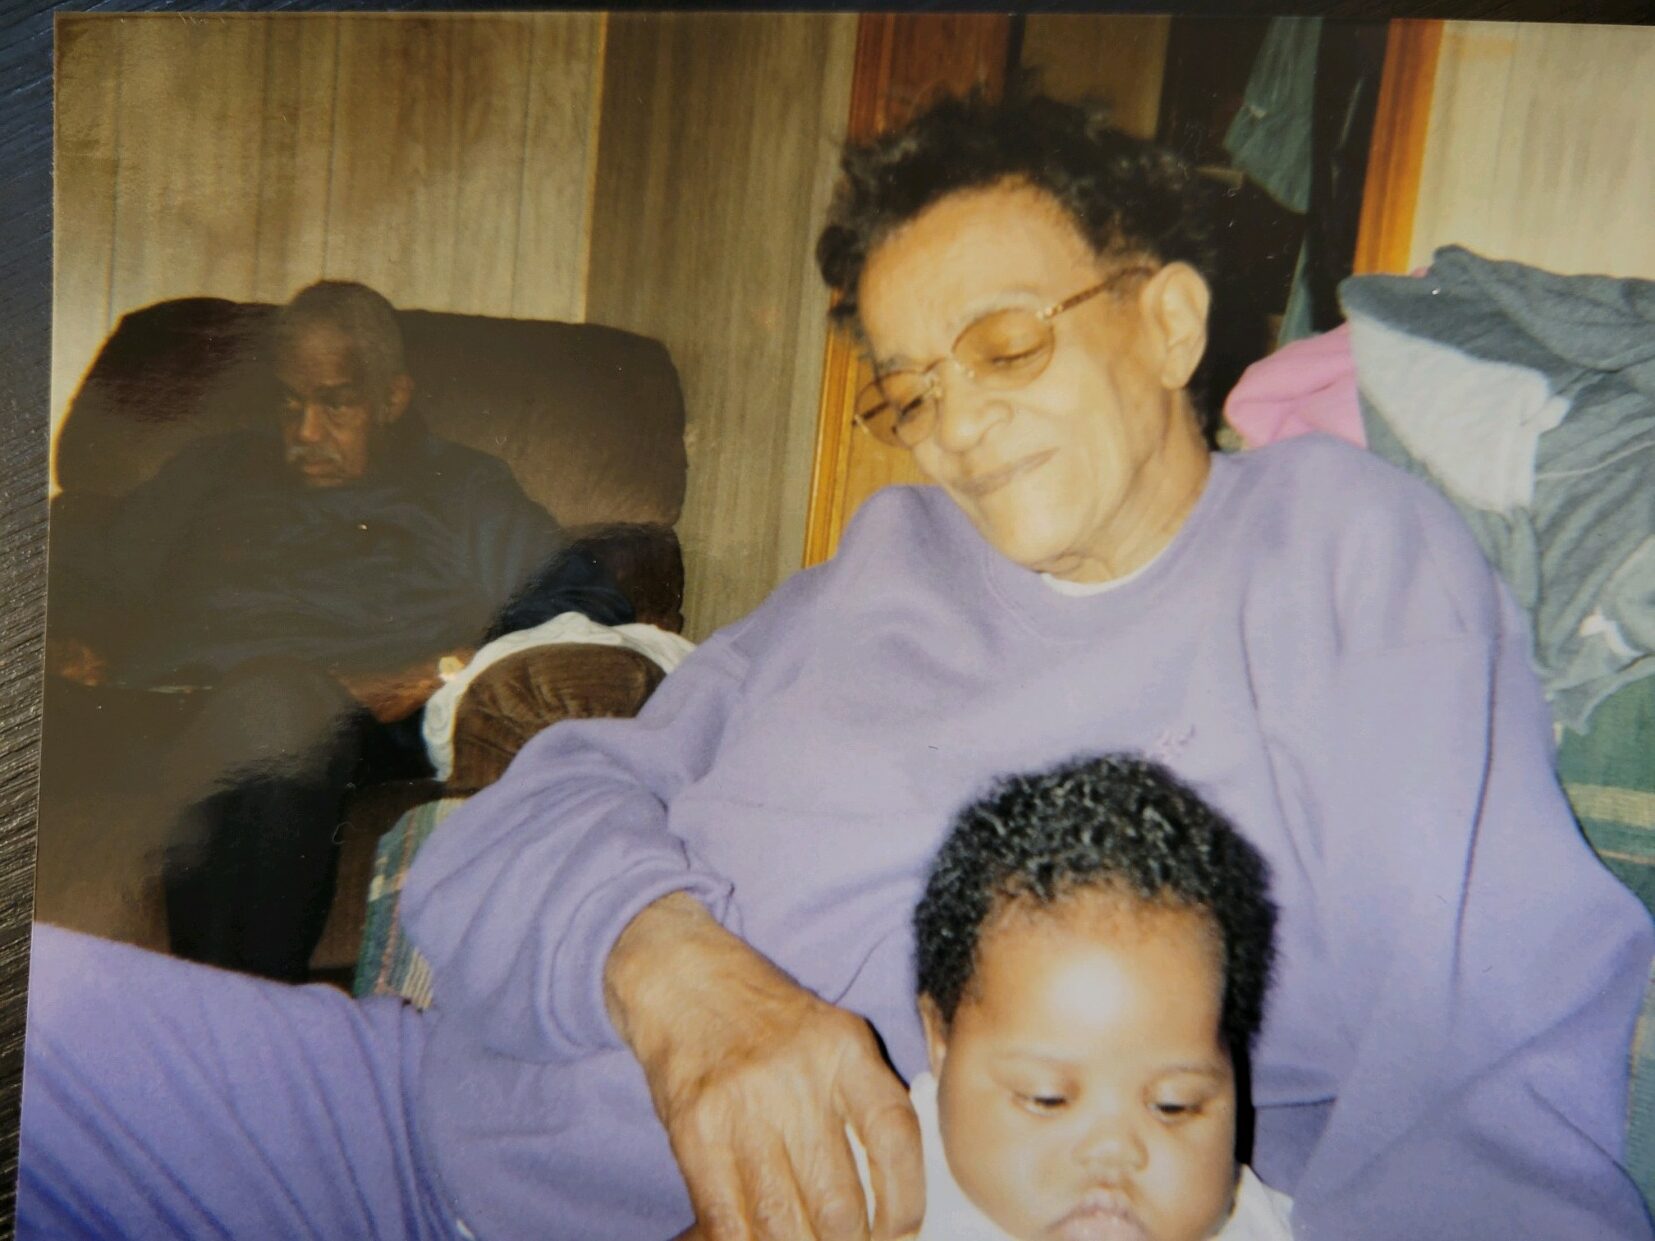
(1084, 1091)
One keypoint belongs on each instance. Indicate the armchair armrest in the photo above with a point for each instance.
(512, 700)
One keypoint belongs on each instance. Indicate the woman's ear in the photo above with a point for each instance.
(1175, 303)
(936, 1033)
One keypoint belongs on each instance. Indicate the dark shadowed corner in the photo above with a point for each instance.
(25, 273)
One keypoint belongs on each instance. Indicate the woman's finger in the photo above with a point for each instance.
(775, 1198)
(834, 1191)
(712, 1174)
(878, 1111)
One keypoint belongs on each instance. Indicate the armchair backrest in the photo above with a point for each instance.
(590, 418)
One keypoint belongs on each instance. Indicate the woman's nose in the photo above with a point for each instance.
(966, 410)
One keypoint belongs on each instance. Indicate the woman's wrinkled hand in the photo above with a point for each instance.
(756, 1080)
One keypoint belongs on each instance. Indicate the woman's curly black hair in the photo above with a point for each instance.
(1129, 198)
(1114, 823)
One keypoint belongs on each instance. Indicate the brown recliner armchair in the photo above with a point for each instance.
(589, 418)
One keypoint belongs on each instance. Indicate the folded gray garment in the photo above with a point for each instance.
(1528, 398)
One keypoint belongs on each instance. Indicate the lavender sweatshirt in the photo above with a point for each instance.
(1322, 650)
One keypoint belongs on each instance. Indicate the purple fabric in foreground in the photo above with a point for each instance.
(1322, 651)
(167, 1100)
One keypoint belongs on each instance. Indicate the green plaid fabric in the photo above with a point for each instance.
(1640, 1120)
(1609, 776)
(388, 964)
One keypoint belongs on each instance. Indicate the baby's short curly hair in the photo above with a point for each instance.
(1114, 824)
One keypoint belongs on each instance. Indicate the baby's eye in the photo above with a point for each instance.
(1042, 1104)
(1175, 1109)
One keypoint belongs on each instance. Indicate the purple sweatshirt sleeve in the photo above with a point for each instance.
(1489, 968)
(518, 897)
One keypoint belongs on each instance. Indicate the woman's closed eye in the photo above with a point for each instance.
(1011, 357)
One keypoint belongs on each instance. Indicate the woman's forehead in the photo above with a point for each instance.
(966, 255)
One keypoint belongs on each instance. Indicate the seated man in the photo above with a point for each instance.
(299, 589)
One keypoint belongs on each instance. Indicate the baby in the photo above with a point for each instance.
(1094, 946)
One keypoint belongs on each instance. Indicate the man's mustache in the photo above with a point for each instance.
(312, 454)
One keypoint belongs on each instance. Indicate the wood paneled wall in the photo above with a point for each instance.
(446, 160)
(1120, 58)
(664, 173)
(720, 136)
(1539, 147)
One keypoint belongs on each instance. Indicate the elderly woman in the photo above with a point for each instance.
(672, 955)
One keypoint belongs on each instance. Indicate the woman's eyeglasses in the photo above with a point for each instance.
(1003, 350)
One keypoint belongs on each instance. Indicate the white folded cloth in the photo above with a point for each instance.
(654, 643)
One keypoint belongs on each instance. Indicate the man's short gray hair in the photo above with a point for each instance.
(361, 313)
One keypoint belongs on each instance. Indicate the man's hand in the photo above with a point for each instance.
(395, 695)
(755, 1080)
(74, 660)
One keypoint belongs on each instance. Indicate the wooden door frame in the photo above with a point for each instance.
(1402, 117)
(901, 61)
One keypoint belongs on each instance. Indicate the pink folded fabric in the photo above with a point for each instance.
(1309, 385)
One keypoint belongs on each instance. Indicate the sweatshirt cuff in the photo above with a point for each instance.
(598, 923)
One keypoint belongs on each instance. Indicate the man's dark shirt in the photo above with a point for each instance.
(225, 556)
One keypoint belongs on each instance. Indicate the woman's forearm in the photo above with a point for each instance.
(643, 965)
